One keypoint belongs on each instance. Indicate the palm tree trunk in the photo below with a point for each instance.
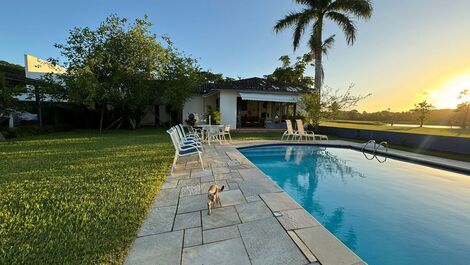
(318, 57)
(318, 71)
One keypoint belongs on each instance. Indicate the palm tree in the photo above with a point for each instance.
(315, 12)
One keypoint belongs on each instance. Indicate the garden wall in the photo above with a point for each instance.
(458, 145)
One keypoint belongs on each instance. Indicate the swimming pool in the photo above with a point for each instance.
(388, 213)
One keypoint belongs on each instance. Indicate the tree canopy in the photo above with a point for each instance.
(423, 109)
(124, 66)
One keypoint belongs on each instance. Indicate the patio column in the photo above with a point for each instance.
(228, 107)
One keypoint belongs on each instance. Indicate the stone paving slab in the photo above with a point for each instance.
(328, 249)
(192, 237)
(259, 186)
(188, 182)
(231, 197)
(167, 197)
(159, 220)
(220, 217)
(206, 185)
(219, 234)
(305, 250)
(253, 211)
(161, 249)
(201, 173)
(192, 203)
(296, 219)
(267, 243)
(279, 201)
(170, 183)
(187, 220)
(190, 190)
(251, 173)
(228, 252)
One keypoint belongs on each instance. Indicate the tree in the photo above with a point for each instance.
(181, 78)
(113, 66)
(314, 13)
(422, 108)
(292, 74)
(330, 104)
(464, 107)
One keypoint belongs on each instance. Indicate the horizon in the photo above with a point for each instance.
(405, 53)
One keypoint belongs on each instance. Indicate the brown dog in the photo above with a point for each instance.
(213, 197)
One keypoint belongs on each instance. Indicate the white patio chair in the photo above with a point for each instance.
(213, 133)
(183, 150)
(187, 139)
(226, 131)
(308, 134)
(290, 132)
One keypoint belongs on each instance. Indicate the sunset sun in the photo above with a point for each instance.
(446, 93)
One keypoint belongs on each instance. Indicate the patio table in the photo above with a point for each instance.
(205, 131)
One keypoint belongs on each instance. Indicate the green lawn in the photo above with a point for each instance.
(379, 127)
(78, 197)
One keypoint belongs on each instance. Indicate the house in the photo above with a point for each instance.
(246, 103)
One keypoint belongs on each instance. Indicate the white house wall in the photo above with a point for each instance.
(228, 107)
(194, 105)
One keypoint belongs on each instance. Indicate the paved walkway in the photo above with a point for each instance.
(257, 224)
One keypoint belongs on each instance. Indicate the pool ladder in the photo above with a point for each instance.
(376, 147)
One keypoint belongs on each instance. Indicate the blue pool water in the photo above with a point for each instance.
(388, 213)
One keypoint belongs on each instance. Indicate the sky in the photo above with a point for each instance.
(407, 52)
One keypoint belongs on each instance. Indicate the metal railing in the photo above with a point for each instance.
(376, 147)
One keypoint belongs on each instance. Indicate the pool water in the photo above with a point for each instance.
(388, 213)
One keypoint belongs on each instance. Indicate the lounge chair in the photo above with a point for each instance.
(185, 140)
(183, 149)
(308, 134)
(290, 132)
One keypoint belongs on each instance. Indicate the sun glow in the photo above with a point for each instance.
(445, 94)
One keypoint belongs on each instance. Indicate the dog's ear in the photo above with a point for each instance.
(221, 189)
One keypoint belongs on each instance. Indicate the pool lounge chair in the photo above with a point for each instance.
(183, 149)
(290, 132)
(308, 134)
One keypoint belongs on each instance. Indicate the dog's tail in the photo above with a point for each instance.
(221, 189)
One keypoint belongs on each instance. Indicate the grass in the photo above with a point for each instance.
(78, 197)
(252, 136)
(381, 127)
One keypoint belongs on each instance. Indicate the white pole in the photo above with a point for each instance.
(11, 122)
(209, 119)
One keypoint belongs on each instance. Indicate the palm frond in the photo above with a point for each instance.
(288, 21)
(346, 24)
(299, 30)
(304, 2)
(328, 44)
(359, 8)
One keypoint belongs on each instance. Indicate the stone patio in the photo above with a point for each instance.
(257, 224)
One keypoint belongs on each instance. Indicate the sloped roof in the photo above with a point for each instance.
(255, 84)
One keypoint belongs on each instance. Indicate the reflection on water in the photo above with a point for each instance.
(324, 164)
(388, 213)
